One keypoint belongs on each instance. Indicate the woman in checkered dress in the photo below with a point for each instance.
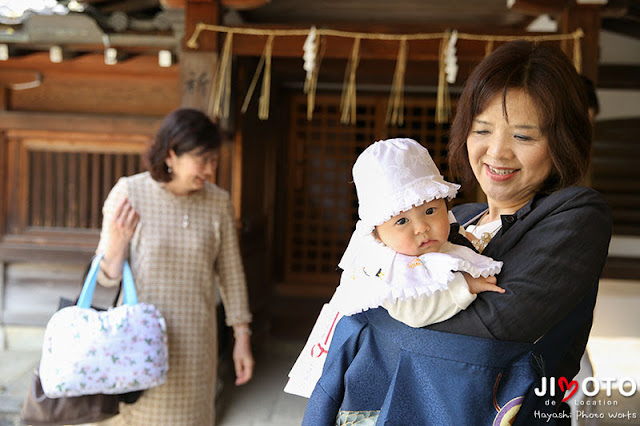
(177, 231)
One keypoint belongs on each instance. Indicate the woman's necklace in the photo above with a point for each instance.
(481, 243)
(185, 216)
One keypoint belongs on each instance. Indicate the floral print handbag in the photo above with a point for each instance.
(88, 352)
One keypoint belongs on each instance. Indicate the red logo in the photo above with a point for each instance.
(565, 385)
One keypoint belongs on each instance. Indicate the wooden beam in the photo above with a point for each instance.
(539, 7)
(586, 17)
(626, 268)
(244, 4)
(206, 12)
(624, 26)
(10, 252)
(625, 76)
(4, 97)
(24, 68)
(127, 6)
(340, 48)
(91, 123)
(335, 47)
(9, 77)
(622, 17)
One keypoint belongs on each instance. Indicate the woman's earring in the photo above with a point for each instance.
(169, 170)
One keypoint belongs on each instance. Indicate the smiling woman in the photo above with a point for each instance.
(508, 152)
(545, 93)
(522, 132)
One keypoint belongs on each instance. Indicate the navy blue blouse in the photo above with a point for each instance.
(553, 249)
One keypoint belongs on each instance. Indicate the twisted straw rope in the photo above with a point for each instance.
(193, 40)
(348, 98)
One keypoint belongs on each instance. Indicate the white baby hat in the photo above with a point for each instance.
(394, 175)
(391, 176)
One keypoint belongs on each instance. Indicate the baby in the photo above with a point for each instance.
(399, 256)
(404, 223)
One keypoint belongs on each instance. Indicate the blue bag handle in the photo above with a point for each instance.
(129, 297)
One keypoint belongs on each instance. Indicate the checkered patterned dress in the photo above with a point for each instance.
(177, 265)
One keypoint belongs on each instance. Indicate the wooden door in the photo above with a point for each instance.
(322, 207)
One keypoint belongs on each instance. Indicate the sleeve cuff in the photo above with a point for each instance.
(239, 319)
(459, 290)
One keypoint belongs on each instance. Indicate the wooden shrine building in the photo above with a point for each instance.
(82, 93)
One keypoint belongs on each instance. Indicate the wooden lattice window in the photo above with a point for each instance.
(58, 181)
(322, 206)
(67, 189)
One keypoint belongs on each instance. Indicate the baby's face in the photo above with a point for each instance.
(423, 229)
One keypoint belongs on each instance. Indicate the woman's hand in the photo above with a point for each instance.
(121, 229)
(242, 357)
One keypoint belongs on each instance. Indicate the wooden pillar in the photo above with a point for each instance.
(4, 98)
(587, 17)
(571, 16)
(198, 69)
(197, 66)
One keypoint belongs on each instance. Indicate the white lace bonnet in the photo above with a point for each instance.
(391, 176)
(394, 175)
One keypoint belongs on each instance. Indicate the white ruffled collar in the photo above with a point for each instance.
(374, 274)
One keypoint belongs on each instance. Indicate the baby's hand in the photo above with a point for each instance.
(480, 284)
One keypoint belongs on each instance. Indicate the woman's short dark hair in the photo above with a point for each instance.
(182, 130)
(545, 73)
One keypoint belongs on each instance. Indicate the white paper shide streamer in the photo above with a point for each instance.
(450, 59)
(309, 55)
